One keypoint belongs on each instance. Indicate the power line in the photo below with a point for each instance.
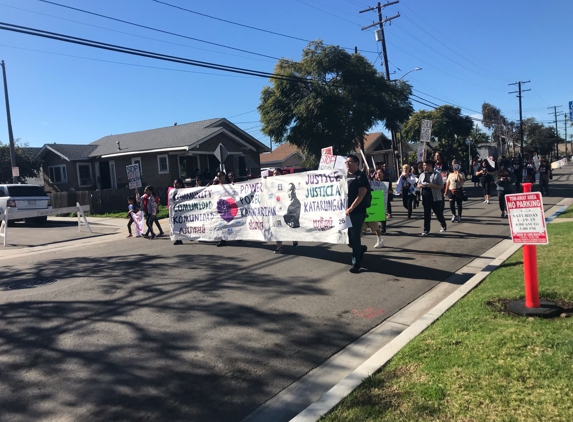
(131, 34)
(128, 64)
(447, 38)
(158, 30)
(228, 21)
(142, 53)
(254, 28)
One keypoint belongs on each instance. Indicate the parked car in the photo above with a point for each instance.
(24, 198)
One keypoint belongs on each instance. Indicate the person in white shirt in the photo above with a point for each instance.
(406, 186)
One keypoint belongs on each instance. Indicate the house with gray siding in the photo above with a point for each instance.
(164, 154)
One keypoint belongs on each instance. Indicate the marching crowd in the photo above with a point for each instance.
(431, 183)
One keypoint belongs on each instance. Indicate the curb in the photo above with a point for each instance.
(341, 390)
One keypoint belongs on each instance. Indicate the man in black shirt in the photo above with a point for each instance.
(358, 189)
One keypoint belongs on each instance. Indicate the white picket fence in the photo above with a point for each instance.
(10, 214)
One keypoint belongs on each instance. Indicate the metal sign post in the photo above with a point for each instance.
(221, 153)
(527, 223)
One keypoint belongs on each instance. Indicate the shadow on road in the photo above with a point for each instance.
(136, 350)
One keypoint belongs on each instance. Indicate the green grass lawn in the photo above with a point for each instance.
(478, 364)
(568, 213)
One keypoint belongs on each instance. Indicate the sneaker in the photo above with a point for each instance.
(354, 270)
(279, 250)
(425, 233)
(161, 234)
(222, 243)
(178, 242)
(379, 244)
(295, 243)
(151, 237)
(443, 229)
(454, 218)
(487, 202)
(129, 235)
(459, 220)
(502, 214)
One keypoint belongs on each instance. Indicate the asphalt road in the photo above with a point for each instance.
(145, 330)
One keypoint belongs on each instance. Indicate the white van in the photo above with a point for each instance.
(24, 198)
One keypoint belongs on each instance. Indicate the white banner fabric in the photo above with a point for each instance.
(137, 218)
(306, 206)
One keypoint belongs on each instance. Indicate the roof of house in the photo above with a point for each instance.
(174, 137)
(280, 153)
(69, 152)
(370, 138)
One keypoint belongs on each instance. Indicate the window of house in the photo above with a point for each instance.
(84, 175)
(162, 164)
(58, 174)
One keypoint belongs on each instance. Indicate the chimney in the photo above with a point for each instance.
(118, 146)
(175, 124)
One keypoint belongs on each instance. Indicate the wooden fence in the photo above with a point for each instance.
(101, 201)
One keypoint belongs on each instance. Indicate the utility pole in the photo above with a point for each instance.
(380, 37)
(10, 134)
(565, 126)
(556, 130)
(519, 91)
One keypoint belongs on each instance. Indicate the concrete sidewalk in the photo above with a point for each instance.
(324, 387)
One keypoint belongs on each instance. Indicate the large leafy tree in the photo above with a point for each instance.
(28, 166)
(494, 120)
(330, 97)
(449, 128)
(539, 137)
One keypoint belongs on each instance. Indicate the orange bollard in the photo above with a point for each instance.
(530, 268)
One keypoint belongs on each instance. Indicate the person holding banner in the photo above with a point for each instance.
(358, 190)
(431, 184)
(221, 178)
(279, 249)
(133, 209)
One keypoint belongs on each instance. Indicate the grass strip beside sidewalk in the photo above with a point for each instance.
(568, 213)
(479, 363)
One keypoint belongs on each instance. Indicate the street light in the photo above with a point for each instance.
(410, 71)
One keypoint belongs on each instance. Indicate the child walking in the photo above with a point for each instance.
(150, 206)
(132, 209)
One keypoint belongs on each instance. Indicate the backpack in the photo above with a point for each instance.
(368, 197)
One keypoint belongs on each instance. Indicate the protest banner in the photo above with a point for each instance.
(137, 218)
(421, 153)
(327, 151)
(133, 176)
(377, 210)
(306, 206)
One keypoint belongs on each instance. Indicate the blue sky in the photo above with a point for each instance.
(469, 52)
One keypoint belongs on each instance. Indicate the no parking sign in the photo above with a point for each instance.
(526, 218)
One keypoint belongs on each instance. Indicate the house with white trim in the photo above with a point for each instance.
(164, 154)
